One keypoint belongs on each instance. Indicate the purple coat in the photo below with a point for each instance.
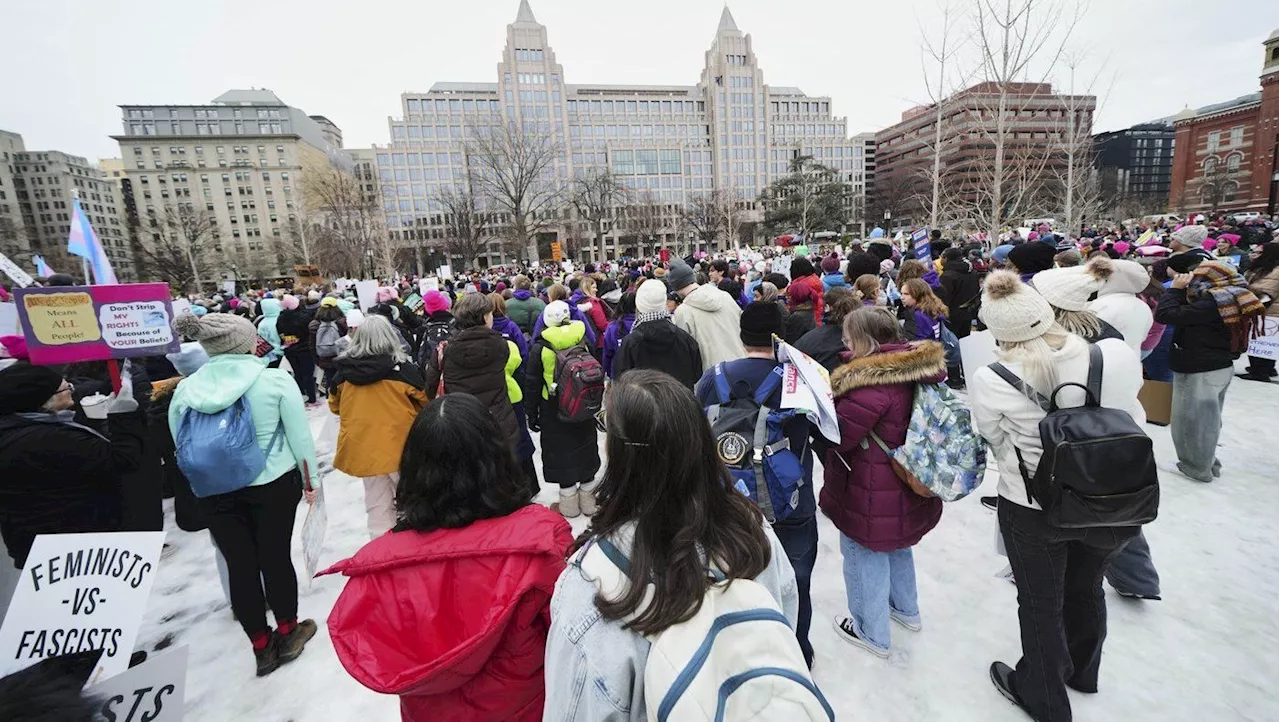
(614, 335)
(861, 494)
(511, 332)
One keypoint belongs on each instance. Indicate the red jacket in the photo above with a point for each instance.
(861, 494)
(454, 620)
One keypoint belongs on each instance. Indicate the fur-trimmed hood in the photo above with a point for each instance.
(923, 361)
(165, 388)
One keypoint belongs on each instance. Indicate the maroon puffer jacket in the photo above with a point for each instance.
(860, 494)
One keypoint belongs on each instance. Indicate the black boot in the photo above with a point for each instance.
(1002, 678)
(291, 644)
(268, 657)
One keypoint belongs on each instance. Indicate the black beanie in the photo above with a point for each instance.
(1032, 256)
(760, 321)
(24, 387)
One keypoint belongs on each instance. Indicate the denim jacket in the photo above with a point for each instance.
(595, 668)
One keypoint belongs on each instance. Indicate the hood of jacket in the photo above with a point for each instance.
(424, 612)
(709, 298)
(897, 363)
(577, 297)
(365, 370)
(834, 279)
(659, 336)
(505, 325)
(956, 266)
(221, 381)
(270, 307)
(522, 294)
(565, 335)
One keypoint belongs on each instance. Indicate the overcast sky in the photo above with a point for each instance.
(70, 62)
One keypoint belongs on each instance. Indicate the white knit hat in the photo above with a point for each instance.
(1190, 236)
(1129, 278)
(556, 313)
(1071, 288)
(651, 297)
(1013, 311)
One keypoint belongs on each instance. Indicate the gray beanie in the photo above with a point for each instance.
(679, 275)
(219, 333)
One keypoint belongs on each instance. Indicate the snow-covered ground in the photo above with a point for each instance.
(1207, 652)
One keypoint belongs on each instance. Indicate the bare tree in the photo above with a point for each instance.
(596, 196)
(1019, 43)
(514, 169)
(182, 240)
(467, 229)
(644, 219)
(1078, 182)
(702, 216)
(812, 197)
(942, 55)
(346, 222)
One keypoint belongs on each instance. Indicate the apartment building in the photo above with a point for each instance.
(13, 232)
(1136, 162)
(731, 134)
(240, 160)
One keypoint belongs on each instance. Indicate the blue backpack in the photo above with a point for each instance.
(751, 442)
(218, 452)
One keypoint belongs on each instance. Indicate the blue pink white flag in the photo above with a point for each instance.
(84, 242)
(42, 268)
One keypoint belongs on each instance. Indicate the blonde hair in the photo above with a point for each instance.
(499, 304)
(867, 287)
(1036, 357)
(1084, 323)
(926, 300)
(866, 327)
(587, 285)
(556, 292)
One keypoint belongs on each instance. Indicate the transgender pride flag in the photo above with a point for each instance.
(84, 242)
(42, 268)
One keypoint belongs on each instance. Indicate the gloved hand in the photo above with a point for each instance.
(535, 424)
(122, 402)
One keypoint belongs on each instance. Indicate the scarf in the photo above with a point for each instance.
(61, 417)
(1239, 308)
(655, 316)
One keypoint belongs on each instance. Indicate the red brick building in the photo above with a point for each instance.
(1038, 126)
(1224, 157)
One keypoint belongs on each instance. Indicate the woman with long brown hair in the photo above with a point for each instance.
(922, 312)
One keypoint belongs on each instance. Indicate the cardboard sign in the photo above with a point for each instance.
(367, 294)
(978, 349)
(9, 325)
(920, 242)
(81, 592)
(557, 254)
(1157, 401)
(313, 530)
(16, 274)
(444, 271)
(91, 323)
(430, 283)
(229, 288)
(154, 691)
(1267, 346)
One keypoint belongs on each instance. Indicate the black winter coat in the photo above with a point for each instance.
(475, 361)
(797, 324)
(1201, 340)
(823, 344)
(296, 323)
(960, 289)
(661, 346)
(60, 479)
(186, 510)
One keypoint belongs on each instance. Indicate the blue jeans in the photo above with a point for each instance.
(876, 582)
(800, 540)
(1132, 571)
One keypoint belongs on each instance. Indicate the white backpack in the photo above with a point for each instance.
(736, 659)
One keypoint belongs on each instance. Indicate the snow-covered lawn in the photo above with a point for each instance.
(1207, 652)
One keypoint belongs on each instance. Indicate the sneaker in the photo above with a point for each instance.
(587, 498)
(846, 630)
(569, 507)
(268, 657)
(913, 625)
(990, 502)
(290, 646)
(1002, 678)
(1132, 595)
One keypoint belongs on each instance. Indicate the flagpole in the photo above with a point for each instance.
(84, 260)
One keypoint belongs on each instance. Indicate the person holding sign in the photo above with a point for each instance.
(234, 398)
(62, 477)
(1265, 284)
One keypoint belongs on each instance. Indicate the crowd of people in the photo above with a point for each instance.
(472, 601)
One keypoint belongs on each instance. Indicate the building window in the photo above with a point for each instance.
(1233, 161)
(1210, 164)
(1237, 136)
(1212, 140)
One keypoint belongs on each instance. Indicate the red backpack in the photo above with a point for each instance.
(579, 384)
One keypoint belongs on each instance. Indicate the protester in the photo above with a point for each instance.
(666, 505)
(253, 525)
(1211, 310)
(655, 342)
(618, 331)
(570, 455)
(505, 326)
(376, 392)
(450, 610)
(1264, 282)
(922, 312)
(798, 533)
(474, 361)
(878, 516)
(557, 292)
(959, 288)
(832, 277)
(524, 307)
(801, 300)
(802, 273)
(867, 289)
(294, 327)
(326, 328)
(1069, 290)
(825, 343)
(592, 308)
(1118, 305)
(1030, 258)
(706, 313)
(1058, 571)
(267, 330)
(59, 476)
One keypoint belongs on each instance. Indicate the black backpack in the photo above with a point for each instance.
(435, 333)
(1098, 467)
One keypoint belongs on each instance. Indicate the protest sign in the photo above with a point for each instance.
(977, 350)
(16, 274)
(367, 293)
(66, 324)
(920, 242)
(806, 386)
(9, 325)
(313, 529)
(229, 288)
(81, 592)
(1265, 345)
(154, 691)
(181, 306)
(444, 271)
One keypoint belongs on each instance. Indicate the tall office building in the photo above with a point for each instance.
(239, 159)
(43, 184)
(731, 132)
(13, 232)
(1136, 162)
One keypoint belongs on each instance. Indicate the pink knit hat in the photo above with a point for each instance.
(435, 301)
(289, 302)
(15, 347)
(386, 293)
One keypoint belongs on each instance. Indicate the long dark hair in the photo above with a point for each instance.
(457, 467)
(1265, 262)
(663, 474)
